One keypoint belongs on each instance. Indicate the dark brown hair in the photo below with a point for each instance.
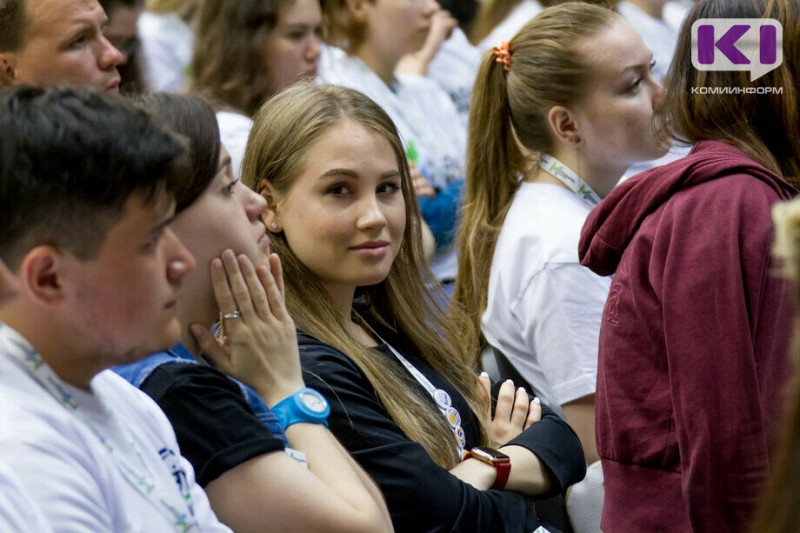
(761, 122)
(227, 64)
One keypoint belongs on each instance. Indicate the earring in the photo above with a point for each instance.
(274, 226)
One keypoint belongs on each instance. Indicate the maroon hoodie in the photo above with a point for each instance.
(692, 354)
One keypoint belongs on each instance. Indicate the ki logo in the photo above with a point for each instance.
(754, 45)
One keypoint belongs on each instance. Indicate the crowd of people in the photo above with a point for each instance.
(377, 265)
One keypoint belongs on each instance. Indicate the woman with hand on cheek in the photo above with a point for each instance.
(404, 400)
(234, 435)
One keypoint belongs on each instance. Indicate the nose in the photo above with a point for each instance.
(180, 260)
(430, 7)
(371, 214)
(657, 92)
(109, 56)
(314, 48)
(254, 204)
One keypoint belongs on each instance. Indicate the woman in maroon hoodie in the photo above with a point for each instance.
(693, 340)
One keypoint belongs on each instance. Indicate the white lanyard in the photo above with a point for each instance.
(440, 396)
(568, 177)
(180, 511)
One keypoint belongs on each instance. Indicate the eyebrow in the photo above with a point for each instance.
(225, 162)
(640, 65)
(338, 172)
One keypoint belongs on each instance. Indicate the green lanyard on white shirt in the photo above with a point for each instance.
(179, 510)
(568, 177)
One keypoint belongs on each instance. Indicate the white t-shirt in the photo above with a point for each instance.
(544, 308)
(167, 47)
(508, 28)
(18, 510)
(105, 459)
(454, 68)
(234, 129)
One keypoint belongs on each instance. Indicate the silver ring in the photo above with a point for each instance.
(232, 315)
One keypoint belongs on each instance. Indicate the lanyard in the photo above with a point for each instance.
(139, 475)
(565, 175)
(440, 396)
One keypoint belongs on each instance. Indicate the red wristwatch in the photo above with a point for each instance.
(500, 461)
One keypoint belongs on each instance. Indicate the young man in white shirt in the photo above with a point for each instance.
(86, 198)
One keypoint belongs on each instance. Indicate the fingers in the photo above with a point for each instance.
(212, 348)
(534, 412)
(276, 267)
(519, 413)
(255, 287)
(275, 296)
(237, 286)
(505, 401)
(485, 391)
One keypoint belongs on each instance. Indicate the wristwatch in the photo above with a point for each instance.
(305, 405)
(497, 459)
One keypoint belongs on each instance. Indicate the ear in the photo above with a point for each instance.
(8, 69)
(270, 216)
(564, 125)
(41, 273)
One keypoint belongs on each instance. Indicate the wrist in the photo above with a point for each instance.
(304, 405)
(495, 458)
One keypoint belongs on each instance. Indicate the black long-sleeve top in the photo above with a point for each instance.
(421, 495)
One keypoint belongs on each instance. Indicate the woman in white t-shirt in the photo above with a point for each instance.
(558, 114)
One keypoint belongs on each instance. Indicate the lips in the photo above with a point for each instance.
(113, 86)
(370, 245)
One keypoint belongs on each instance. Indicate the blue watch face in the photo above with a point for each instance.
(314, 402)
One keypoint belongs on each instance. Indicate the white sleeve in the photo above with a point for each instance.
(57, 477)
(18, 510)
(559, 319)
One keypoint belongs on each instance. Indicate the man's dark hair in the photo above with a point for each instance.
(70, 159)
(12, 24)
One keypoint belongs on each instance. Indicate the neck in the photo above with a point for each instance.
(654, 8)
(342, 298)
(600, 178)
(72, 364)
(379, 62)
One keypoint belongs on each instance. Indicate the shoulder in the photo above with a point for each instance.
(543, 225)
(733, 196)
(131, 403)
(319, 356)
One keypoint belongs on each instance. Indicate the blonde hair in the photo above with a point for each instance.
(285, 129)
(778, 510)
(510, 109)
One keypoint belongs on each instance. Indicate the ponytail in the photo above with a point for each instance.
(494, 164)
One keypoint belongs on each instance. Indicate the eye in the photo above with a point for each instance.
(389, 188)
(152, 241)
(229, 188)
(635, 85)
(79, 41)
(339, 190)
(652, 65)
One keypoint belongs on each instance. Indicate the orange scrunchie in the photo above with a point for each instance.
(502, 54)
